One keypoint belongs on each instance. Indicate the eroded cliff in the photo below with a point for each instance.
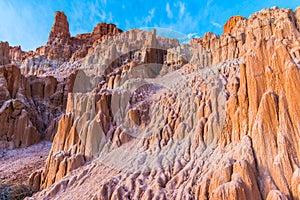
(148, 118)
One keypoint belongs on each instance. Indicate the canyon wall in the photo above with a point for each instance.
(35, 84)
(139, 116)
(30, 106)
(218, 119)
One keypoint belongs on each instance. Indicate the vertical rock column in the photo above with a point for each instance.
(4, 53)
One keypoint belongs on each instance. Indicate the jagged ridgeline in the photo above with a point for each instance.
(133, 115)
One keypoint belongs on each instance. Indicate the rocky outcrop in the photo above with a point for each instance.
(4, 53)
(16, 125)
(140, 61)
(61, 45)
(103, 31)
(222, 124)
(231, 23)
(84, 42)
(16, 55)
(29, 106)
(176, 57)
(58, 45)
(273, 22)
(62, 48)
(60, 30)
(132, 46)
(297, 15)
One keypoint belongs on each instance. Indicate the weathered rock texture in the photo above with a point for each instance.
(133, 47)
(30, 106)
(16, 55)
(16, 125)
(4, 53)
(231, 23)
(58, 45)
(151, 119)
(60, 29)
(61, 47)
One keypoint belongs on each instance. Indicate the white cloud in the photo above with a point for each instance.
(169, 11)
(105, 17)
(109, 17)
(142, 22)
(97, 11)
(216, 24)
(181, 9)
(187, 38)
(186, 24)
(171, 33)
(149, 18)
(128, 24)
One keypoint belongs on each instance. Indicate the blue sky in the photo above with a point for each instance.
(28, 23)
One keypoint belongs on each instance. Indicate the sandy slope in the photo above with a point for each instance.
(17, 165)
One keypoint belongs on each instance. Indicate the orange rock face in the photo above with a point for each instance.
(231, 23)
(29, 106)
(61, 45)
(103, 29)
(148, 118)
(60, 48)
(16, 125)
(58, 45)
(230, 114)
(60, 29)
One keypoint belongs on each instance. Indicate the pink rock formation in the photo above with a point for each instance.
(16, 125)
(61, 45)
(230, 114)
(103, 29)
(16, 55)
(58, 45)
(30, 106)
(60, 30)
(147, 118)
(4, 53)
